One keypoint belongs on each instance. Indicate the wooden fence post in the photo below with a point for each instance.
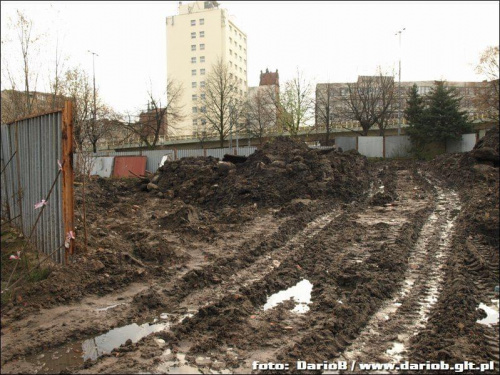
(68, 175)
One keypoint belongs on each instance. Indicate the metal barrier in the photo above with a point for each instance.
(37, 180)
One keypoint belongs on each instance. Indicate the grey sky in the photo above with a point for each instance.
(333, 41)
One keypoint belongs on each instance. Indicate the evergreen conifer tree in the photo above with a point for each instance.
(414, 114)
(443, 118)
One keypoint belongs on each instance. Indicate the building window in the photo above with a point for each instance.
(202, 84)
(195, 122)
(193, 35)
(193, 85)
(230, 40)
(203, 109)
(240, 47)
(202, 47)
(202, 34)
(193, 60)
(195, 109)
(202, 59)
(240, 59)
(231, 64)
(202, 21)
(202, 72)
(240, 36)
(193, 47)
(202, 96)
(241, 70)
(193, 72)
(203, 121)
(230, 75)
(230, 28)
(194, 97)
(231, 52)
(193, 22)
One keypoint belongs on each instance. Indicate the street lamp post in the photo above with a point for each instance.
(399, 84)
(93, 74)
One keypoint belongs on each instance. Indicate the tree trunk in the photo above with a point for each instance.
(94, 146)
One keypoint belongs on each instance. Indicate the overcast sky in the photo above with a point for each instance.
(328, 41)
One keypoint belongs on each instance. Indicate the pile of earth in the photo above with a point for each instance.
(476, 175)
(96, 272)
(282, 170)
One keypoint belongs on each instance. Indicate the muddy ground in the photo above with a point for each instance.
(389, 261)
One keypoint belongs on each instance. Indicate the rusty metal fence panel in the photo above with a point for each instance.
(28, 178)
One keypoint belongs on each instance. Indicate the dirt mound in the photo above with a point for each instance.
(475, 174)
(280, 171)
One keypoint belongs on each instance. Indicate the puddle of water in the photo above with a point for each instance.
(178, 365)
(491, 315)
(395, 351)
(95, 347)
(301, 293)
(75, 354)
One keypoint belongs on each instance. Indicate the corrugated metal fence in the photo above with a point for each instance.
(155, 156)
(31, 149)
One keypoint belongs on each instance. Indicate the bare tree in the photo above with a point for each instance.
(219, 103)
(295, 104)
(76, 85)
(370, 101)
(261, 112)
(487, 98)
(159, 120)
(56, 77)
(326, 108)
(21, 99)
(106, 121)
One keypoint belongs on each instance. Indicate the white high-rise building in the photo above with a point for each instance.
(197, 37)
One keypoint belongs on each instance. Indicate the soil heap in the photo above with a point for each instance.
(476, 176)
(282, 170)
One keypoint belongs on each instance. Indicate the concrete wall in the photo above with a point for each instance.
(397, 146)
(346, 143)
(371, 146)
(465, 144)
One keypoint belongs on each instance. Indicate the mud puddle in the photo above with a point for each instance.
(407, 313)
(177, 364)
(75, 354)
(491, 313)
(300, 293)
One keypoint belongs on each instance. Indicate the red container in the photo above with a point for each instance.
(126, 164)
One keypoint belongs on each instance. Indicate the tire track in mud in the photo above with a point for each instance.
(261, 267)
(482, 264)
(386, 336)
(216, 274)
(332, 268)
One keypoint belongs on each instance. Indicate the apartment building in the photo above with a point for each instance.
(339, 91)
(201, 34)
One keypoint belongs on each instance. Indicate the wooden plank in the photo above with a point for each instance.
(68, 175)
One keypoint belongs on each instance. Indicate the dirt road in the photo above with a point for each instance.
(387, 277)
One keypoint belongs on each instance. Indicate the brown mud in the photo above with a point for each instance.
(395, 256)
